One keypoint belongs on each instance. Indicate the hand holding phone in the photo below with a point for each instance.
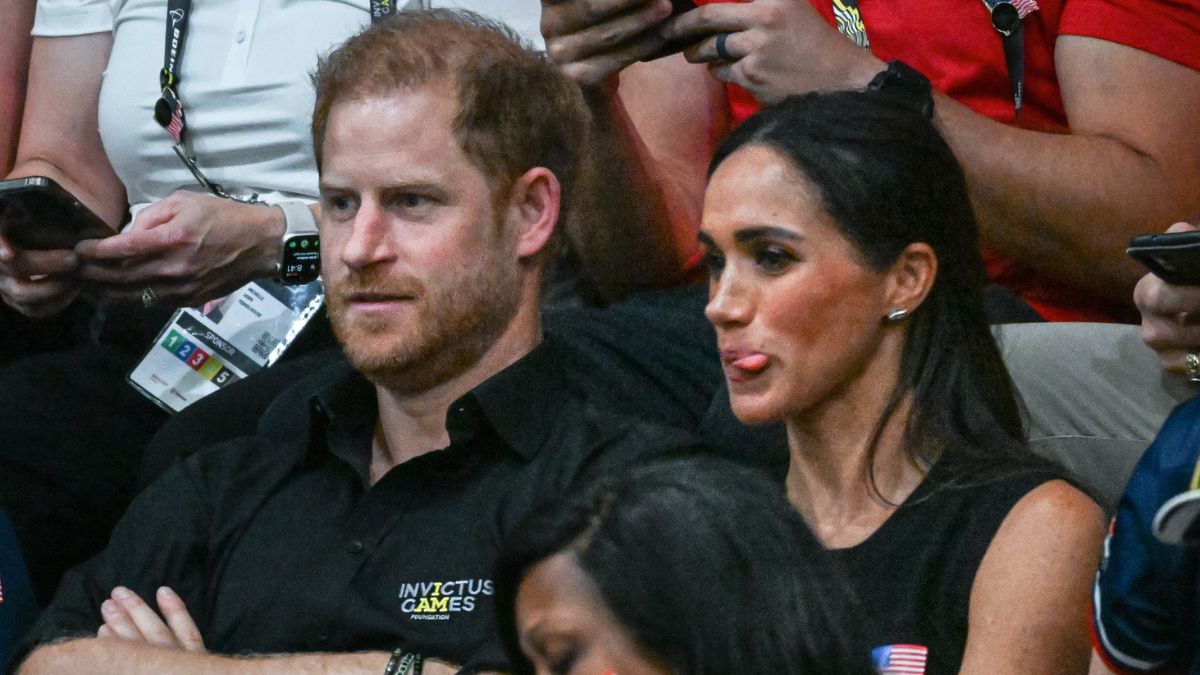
(1173, 257)
(37, 213)
(593, 40)
(1170, 303)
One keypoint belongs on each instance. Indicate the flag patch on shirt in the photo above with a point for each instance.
(900, 659)
(1025, 7)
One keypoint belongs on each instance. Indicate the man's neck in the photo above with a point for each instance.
(412, 424)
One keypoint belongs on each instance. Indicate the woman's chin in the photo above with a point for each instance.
(754, 412)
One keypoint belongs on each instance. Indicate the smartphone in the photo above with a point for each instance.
(1173, 257)
(677, 7)
(38, 213)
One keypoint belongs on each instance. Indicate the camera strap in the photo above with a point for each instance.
(1006, 17)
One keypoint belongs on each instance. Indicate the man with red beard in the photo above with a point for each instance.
(445, 149)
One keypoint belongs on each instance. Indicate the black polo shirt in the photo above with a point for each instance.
(281, 546)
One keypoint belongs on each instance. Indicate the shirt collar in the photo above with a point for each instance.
(518, 404)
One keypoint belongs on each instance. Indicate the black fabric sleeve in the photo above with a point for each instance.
(160, 541)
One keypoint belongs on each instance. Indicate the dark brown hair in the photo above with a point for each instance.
(888, 179)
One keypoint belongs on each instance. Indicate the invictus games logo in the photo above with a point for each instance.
(439, 600)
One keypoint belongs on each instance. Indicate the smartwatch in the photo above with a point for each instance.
(905, 84)
(300, 257)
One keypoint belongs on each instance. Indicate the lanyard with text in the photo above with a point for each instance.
(168, 110)
(381, 9)
(1006, 18)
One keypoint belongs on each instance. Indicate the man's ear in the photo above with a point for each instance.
(911, 277)
(533, 206)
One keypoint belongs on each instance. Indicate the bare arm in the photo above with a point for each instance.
(642, 188)
(635, 218)
(136, 639)
(16, 19)
(118, 657)
(1066, 205)
(1029, 602)
(62, 140)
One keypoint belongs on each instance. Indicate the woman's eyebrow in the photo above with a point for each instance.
(765, 231)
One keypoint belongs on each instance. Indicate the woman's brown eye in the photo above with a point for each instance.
(714, 263)
(772, 260)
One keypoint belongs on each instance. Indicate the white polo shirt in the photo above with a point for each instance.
(244, 83)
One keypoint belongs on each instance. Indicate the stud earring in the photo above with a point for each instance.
(897, 314)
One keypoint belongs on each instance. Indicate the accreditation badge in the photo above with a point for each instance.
(202, 350)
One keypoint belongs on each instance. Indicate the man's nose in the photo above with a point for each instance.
(370, 240)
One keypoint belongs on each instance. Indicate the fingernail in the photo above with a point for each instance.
(166, 590)
(108, 607)
(120, 593)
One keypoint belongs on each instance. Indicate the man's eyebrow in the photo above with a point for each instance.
(325, 185)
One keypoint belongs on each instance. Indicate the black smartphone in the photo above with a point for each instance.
(1173, 257)
(677, 7)
(38, 213)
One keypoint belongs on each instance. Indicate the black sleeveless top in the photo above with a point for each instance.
(913, 575)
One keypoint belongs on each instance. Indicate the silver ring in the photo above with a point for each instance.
(149, 297)
(1192, 360)
(723, 53)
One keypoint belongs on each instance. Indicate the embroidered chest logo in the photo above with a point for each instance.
(441, 600)
(900, 659)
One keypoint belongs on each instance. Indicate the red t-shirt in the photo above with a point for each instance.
(952, 42)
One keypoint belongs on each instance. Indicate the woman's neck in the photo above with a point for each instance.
(844, 490)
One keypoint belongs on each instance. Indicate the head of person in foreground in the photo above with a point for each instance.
(684, 566)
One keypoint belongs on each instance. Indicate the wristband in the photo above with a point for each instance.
(905, 84)
(300, 257)
(402, 663)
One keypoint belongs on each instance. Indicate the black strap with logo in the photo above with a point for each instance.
(1006, 19)
(168, 111)
(382, 9)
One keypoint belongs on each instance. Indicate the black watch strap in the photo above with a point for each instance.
(904, 83)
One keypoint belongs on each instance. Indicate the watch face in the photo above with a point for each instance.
(301, 261)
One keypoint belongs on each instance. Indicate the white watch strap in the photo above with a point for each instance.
(299, 218)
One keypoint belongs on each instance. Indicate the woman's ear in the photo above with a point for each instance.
(533, 208)
(910, 279)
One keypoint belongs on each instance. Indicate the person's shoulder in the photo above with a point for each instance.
(607, 439)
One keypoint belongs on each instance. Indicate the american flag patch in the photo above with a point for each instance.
(1025, 7)
(900, 659)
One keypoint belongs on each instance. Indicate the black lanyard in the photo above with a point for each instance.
(1006, 19)
(381, 9)
(168, 110)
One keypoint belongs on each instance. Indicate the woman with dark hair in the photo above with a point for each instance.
(686, 566)
(846, 292)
